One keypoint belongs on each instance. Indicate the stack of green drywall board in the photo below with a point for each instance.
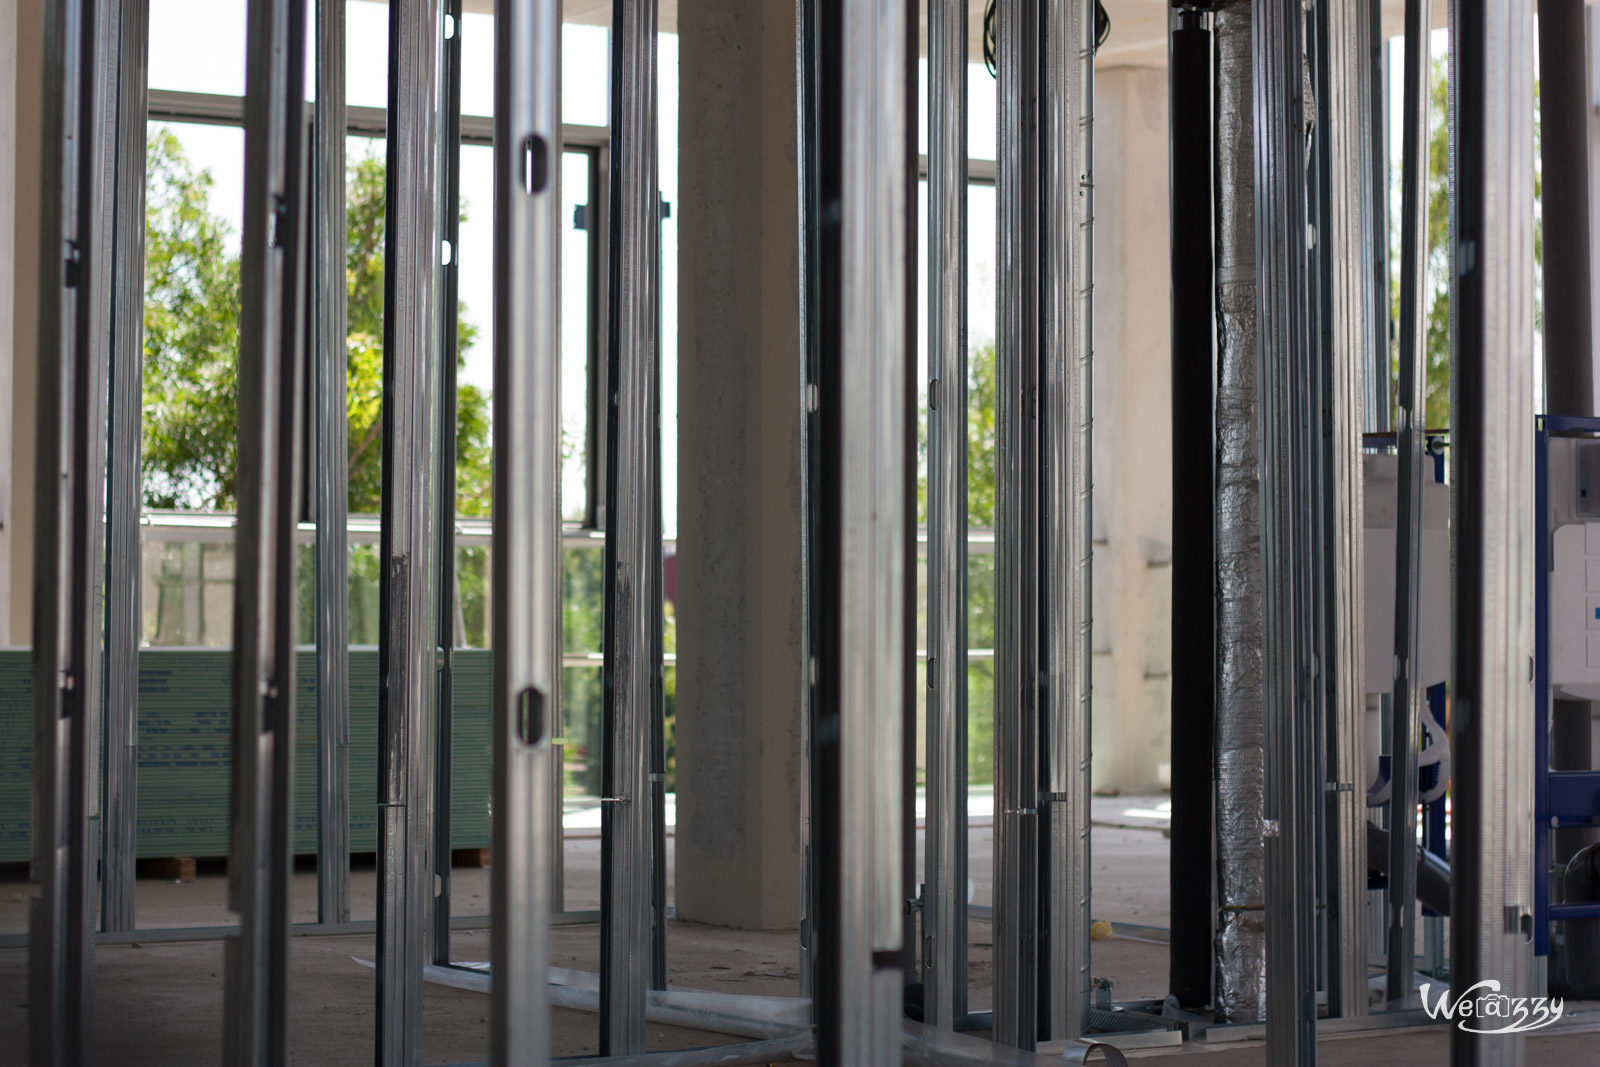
(184, 715)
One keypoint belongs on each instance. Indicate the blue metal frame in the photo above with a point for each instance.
(1560, 798)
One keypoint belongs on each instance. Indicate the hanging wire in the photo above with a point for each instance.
(988, 38)
(1102, 30)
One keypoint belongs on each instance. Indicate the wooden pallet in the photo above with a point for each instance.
(167, 868)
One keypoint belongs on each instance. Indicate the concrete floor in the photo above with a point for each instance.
(161, 1002)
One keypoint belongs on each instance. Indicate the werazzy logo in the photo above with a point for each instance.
(1483, 1009)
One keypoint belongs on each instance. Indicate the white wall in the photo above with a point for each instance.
(1132, 432)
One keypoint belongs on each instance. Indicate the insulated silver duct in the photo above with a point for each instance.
(1241, 932)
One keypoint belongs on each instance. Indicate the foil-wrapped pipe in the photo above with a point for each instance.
(1241, 931)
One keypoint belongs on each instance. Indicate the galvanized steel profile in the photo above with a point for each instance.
(1016, 713)
(123, 473)
(632, 671)
(1347, 340)
(66, 620)
(1066, 262)
(1408, 690)
(944, 948)
(330, 421)
(1045, 56)
(271, 325)
(406, 649)
(445, 630)
(1491, 902)
(1292, 799)
(527, 593)
(874, 566)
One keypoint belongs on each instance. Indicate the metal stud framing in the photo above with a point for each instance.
(527, 669)
(874, 566)
(632, 670)
(1408, 694)
(1286, 365)
(944, 961)
(855, 124)
(1016, 878)
(331, 434)
(1347, 340)
(256, 1028)
(1045, 62)
(817, 149)
(1491, 891)
(1066, 126)
(445, 314)
(406, 649)
(123, 482)
(66, 622)
(1376, 380)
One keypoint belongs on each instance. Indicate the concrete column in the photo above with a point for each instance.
(738, 584)
(1133, 520)
(21, 44)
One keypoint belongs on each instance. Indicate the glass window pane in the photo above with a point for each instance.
(366, 54)
(197, 46)
(194, 201)
(981, 102)
(585, 67)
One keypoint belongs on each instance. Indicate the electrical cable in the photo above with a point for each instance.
(1102, 30)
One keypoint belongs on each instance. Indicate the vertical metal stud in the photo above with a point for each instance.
(633, 574)
(256, 1020)
(66, 621)
(1016, 713)
(1066, 128)
(527, 545)
(944, 962)
(329, 362)
(1491, 899)
(1349, 329)
(445, 315)
(874, 566)
(1286, 365)
(406, 648)
(817, 149)
(855, 113)
(1045, 60)
(123, 481)
(1377, 386)
(1408, 694)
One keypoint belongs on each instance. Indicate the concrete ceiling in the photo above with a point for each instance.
(1138, 27)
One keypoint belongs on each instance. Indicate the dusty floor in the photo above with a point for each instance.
(160, 1002)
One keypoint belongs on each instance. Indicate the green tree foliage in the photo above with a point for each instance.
(191, 329)
(1437, 357)
(191, 344)
(981, 402)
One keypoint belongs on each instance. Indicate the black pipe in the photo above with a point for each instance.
(1193, 682)
(1568, 336)
(1568, 356)
(1580, 883)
